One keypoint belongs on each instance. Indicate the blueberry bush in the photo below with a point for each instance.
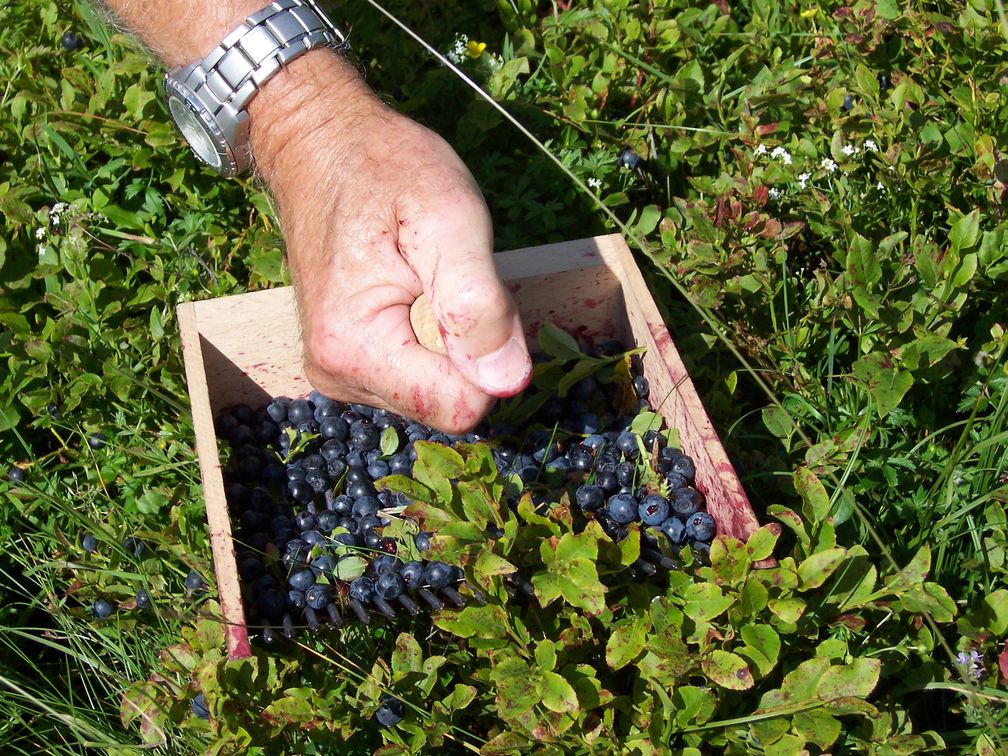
(816, 195)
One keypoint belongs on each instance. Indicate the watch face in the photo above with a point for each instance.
(194, 130)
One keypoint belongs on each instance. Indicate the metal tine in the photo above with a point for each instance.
(453, 596)
(646, 567)
(655, 556)
(311, 619)
(267, 634)
(334, 615)
(476, 593)
(409, 604)
(360, 611)
(435, 603)
(383, 607)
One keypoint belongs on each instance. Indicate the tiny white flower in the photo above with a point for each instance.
(595, 183)
(774, 193)
(848, 149)
(41, 249)
(828, 164)
(879, 186)
(870, 145)
(40, 233)
(760, 150)
(784, 155)
(803, 179)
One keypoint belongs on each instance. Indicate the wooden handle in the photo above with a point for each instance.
(425, 325)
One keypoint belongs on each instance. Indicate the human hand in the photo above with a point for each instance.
(377, 210)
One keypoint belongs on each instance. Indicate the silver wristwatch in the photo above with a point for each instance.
(208, 99)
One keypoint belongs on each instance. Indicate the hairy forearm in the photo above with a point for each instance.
(314, 88)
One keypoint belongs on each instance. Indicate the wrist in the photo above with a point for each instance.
(319, 93)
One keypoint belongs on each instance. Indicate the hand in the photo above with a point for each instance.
(376, 210)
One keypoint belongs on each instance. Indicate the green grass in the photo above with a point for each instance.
(848, 321)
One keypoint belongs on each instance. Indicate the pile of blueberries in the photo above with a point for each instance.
(306, 527)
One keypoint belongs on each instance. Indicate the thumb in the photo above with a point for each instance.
(475, 314)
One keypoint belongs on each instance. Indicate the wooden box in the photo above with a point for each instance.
(247, 349)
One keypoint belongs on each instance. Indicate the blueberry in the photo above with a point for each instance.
(400, 464)
(390, 711)
(70, 41)
(277, 409)
(848, 103)
(686, 501)
(271, 603)
(301, 411)
(364, 435)
(422, 541)
(622, 508)
(684, 466)
(250, 569)
(335, 428)
(194, 582)
(626, 472)
(96, 440)
(143, 599)
(629, 159)
(412, 573)
(89, 543)
(590, 497)
(438, 574)
(199, 707)
(653, 510)
(300, 491)
(383, 564)
(296, 599)
(675, 530)
(362, 590)
(312, 537)
(365, 506)
(102, 608)
(378, 469)
(304, 520)
(701, 527)
(626, 442)
(16, 474)
(134, 546)
(317, 597)
(607, 481)
(327, 521)
(390, 585)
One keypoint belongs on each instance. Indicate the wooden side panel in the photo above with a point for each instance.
(221, 540)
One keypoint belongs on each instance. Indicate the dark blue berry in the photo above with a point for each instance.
(701, 527)
(199, 707)
(89, 543)
(622, 508)
(16, 474)
(194, 581)
(102, 608)
(629, 159)
(653, 510)
(143, 599)
(590, 497)
(390, 711)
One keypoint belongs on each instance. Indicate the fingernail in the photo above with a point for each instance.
(506, 370)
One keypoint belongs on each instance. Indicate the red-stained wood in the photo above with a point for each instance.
(247, 348)
(218, 519)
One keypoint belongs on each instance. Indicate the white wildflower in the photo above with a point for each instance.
(595, 183)
(870, 145)
(56, 213)
(774, 193)
(40, 233)
(848, 150)
(760, 150)
(879, 186)
(41, 249)
(496, 62)
(828, 164)
(803, 179)
(784, 155)
(458, 53)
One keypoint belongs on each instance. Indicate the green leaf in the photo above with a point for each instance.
(816, 501)
(762, 646)
(436, 466)
(727, 670)
(788, 610)
(407, 656)
(888, 9)
(558, 343)
(997, 606)
(855, 680)
(626, 641)
(488, 564)
(557, 693)
(705, 601)
(762, 542)
(779, 423)
(545, 654)
(965, 232)
(389, 441)
(814, 571)
(488, 621)
(913, 574)
(517, 691)
(886, 383)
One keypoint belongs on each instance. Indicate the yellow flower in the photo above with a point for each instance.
(810, 12)
(474, 49)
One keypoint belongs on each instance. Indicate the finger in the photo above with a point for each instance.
(396, 373)
(450, 245)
